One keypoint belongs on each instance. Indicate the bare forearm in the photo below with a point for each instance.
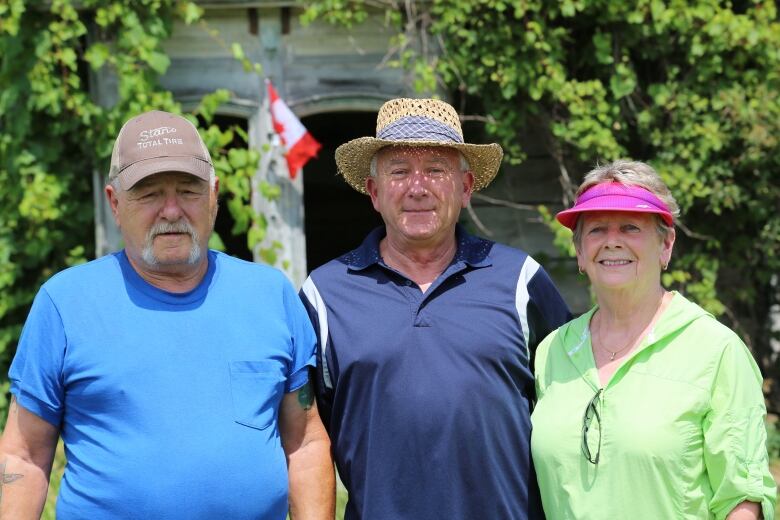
(22, 489)
(312, 482)
(26, 453)
(309, 463)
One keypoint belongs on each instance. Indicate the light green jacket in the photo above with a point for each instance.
(682, 424)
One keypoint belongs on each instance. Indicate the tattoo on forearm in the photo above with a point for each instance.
(305, 396)
(7, 478)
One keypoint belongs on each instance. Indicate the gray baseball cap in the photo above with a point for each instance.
(156, 142)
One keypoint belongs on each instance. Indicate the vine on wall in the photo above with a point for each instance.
(53, 134)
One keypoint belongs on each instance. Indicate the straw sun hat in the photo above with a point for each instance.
(416, 122)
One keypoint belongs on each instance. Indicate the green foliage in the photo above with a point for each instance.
(772, 439)
(53, 133)
(562, 236)
(344, 12)
(691, 87)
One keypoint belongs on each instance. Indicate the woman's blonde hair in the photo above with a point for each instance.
(630, 173)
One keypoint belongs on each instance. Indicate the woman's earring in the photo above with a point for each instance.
(665, 266)
(579, 268)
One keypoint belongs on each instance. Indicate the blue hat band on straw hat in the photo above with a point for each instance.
(417, 128)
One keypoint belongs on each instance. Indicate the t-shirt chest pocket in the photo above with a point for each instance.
(257, 388)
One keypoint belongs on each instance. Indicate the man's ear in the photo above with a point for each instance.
(214, 201)
(372, 189)
(468, 187)
(113, 202)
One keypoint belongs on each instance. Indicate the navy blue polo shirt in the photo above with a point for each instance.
(427, 396)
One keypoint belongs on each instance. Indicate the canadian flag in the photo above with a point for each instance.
(300, 144)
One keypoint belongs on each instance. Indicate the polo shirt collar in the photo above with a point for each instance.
(367, 253)
(472, 250)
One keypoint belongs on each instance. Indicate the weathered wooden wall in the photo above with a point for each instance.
(333, 79)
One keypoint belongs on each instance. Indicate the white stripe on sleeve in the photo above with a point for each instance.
(313, 295)
(530, 266)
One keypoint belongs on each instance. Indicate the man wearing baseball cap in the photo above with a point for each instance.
(426, 333)
(175, 375)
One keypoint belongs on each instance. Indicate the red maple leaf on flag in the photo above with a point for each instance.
(300, 145)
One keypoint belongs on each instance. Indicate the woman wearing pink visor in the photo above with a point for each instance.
(648, 408)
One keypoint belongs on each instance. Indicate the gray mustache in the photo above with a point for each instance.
(181, 226)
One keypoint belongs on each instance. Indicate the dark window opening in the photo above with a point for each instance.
(337, 218)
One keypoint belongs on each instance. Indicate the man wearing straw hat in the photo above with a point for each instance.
(426, 332)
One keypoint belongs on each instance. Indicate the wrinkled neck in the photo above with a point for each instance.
(421, 264)
(625, 310)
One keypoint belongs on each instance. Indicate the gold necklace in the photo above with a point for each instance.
(612, 353)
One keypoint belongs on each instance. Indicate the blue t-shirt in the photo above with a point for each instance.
(427, 395)
(167, 403)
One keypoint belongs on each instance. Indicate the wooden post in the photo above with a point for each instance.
(284, 216)
(104, 91)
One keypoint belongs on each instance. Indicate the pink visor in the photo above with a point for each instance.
(614, 196)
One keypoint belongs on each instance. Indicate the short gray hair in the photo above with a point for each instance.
(464, 163)
(630, 173)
